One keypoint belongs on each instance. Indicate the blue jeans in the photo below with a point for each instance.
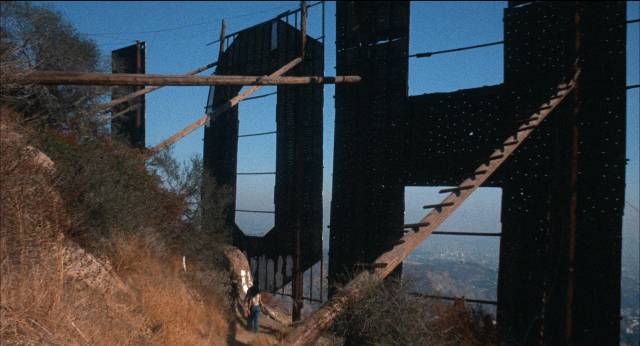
(253, 318)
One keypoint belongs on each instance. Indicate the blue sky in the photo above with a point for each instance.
(176, 34)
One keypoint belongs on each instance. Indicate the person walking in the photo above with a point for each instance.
(254, 303)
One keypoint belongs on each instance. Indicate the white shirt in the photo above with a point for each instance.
(255, 300)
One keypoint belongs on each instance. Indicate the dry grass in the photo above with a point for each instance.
(90, 251)
(390, 315)
(129, 289)
(182, 308)
(32, 225)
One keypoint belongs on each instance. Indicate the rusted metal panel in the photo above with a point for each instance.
(370, 21)
(529, 184)
(367, 199)
(540, 51)
(382, 266)
(601, 123)
(526, 215)
(129, 126)
(534, 289)
(447, 134)
(298, 190)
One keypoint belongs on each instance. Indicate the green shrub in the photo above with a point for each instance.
(107, 187)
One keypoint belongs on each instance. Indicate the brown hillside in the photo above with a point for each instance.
(54, 291)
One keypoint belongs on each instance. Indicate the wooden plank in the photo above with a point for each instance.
(144, 91)
(223, 108)
(309, 330)
(110, 79)
(223, 29)
(303, 27)
(126, 110)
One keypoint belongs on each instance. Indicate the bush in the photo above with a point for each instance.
(107, 187)
(137, 222)
(37, 38)
(390, 315)
(111, 194)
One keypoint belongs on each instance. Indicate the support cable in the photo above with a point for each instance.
(261, 96)
(466, 300)
(258, 134)
(255, 173)
(255, 211)
(430, 54)
(475, 234)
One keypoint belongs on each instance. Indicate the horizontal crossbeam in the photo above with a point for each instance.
(110, 79)
(466, 300)
(144, 91)
(222, 108)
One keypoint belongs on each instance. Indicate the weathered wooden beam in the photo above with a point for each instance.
(126, 110)
(309, 330)
(223, 108)
(144, 91)
(95, 78)
(223, 29)
(297, 284)
(303, 27)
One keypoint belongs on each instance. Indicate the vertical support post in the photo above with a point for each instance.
(311, 282)
(223, 28)
(298, 275)
(567, 237)
(323, 25)
(296, 285)
(139, 69)
(322, 274)
(303, 27)
(368, 194)
(573, 181)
